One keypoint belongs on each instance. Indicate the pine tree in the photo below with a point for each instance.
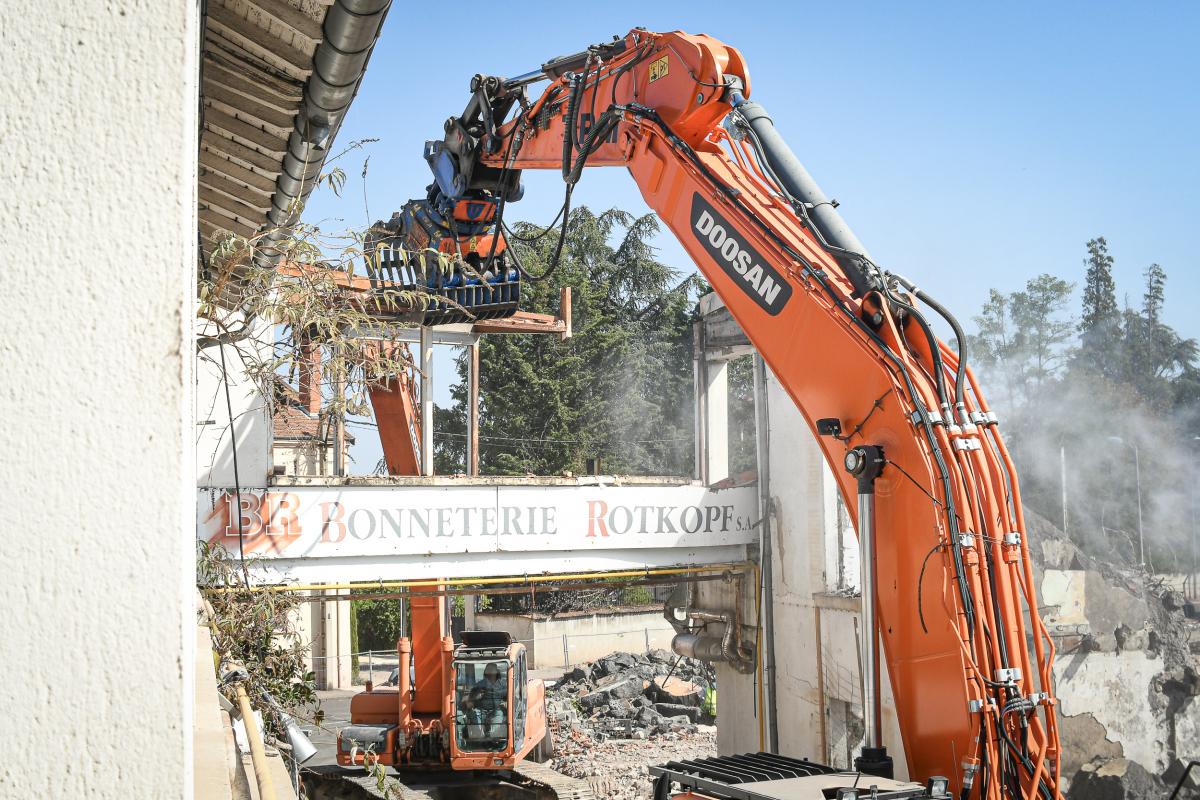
(1024, 338)
(1152, 300)
(1100, 323)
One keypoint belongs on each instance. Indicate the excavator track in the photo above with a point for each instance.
(554, 785)
(529, 782)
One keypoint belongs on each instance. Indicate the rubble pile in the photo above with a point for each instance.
(614, 718)
(634, 696)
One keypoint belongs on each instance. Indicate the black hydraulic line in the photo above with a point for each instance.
(960, 379)
(569, 125)
(934, 350)
(819, 276)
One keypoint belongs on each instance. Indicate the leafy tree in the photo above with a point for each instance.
(1024, 338)
(619, 389)
(1133, 382)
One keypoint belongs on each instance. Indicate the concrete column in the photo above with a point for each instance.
(331, 645)
(716, 421)
(426, 362)
(469, 612)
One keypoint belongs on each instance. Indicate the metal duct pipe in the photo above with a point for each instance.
(710, 648)
(350, 31)
(701, 648)
(801, 186)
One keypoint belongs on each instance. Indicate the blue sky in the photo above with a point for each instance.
(970, 145)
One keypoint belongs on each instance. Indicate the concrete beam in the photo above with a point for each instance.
(426, 363)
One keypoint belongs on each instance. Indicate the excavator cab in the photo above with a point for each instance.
(491, 696)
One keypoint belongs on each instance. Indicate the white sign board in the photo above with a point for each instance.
(508, 529)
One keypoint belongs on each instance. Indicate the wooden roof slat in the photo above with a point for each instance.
(251, 36)
(217, 142)
(269, 142)
(225, 167)
(248, 109)
(221, 184)
(290, 17)
(216, 74)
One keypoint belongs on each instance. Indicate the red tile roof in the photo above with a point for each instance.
(293, 422)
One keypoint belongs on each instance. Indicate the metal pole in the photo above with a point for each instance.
(646, 634)
(339, 438)
(866, 543)
(699, 411)
(1137, 472)
(1062, 467)
(762, 429)
(473, 411)
(566, 653)
(426, 356)
(865, 463)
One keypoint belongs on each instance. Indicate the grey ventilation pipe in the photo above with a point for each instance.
(351, 29)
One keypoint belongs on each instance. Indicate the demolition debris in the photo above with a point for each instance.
(613, 718)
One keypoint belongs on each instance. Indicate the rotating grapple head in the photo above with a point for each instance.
(452, 251)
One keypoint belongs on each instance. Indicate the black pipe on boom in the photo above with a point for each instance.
(803, 189)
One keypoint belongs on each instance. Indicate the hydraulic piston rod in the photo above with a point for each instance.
(865, 463)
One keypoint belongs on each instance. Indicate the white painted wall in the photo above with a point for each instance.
(251, 418)
(97, 228)
(818, 680)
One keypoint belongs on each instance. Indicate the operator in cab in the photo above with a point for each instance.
(495, 688)
(492, 690)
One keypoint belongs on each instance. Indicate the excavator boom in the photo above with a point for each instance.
(916, 450)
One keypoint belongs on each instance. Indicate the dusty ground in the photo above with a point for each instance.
(618, 769)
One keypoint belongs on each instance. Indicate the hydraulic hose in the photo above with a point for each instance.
(960, 378)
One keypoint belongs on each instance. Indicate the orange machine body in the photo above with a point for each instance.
(411, 726)
(660, 103)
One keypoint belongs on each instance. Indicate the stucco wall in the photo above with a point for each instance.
(97, 228)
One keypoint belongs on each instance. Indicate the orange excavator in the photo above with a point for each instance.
(948, 586)
(470, 707)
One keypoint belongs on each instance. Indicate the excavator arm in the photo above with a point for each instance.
(948, 583)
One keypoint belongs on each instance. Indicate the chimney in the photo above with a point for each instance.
(310, 377)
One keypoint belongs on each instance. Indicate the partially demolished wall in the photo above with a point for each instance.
(1125, 671)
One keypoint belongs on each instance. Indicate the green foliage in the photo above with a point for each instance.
(636, 596)
(619, 389)
(1024, 338)
(743, 451)
(256, 630)
(1127, 380)
(379, 623)
(1100, 324)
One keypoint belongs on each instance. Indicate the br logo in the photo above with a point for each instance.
(268, 522)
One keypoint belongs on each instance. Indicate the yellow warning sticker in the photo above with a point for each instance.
(659, 69)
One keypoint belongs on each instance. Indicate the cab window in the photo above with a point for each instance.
(481, 706)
